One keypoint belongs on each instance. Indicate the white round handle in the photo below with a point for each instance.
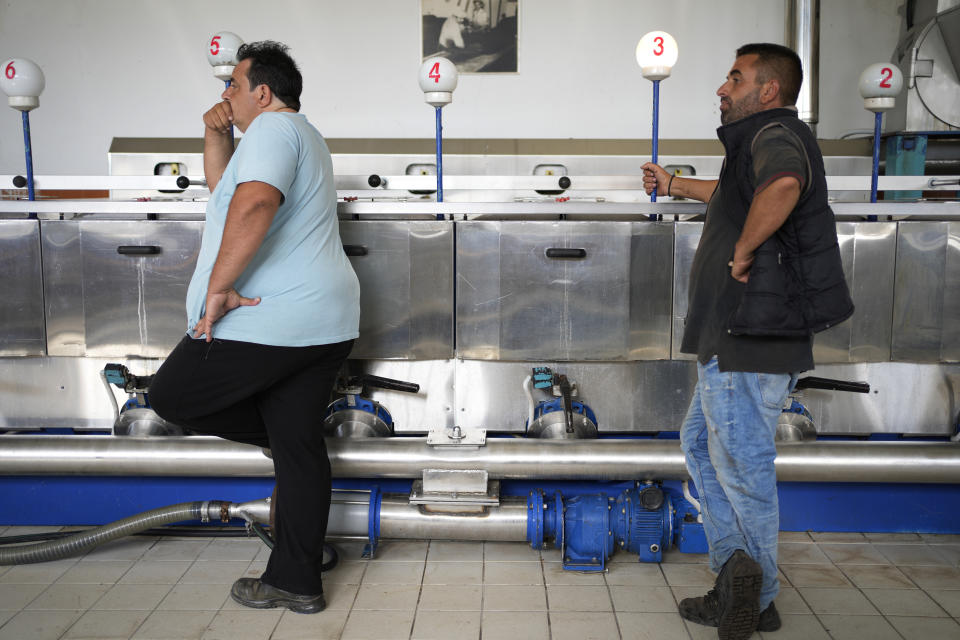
(222, 53)
(438, 79)
(23, 82)
(880, 83)
(657, 53)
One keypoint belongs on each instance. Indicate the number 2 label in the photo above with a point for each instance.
(885, 74)
(10, 71)
(215, 45)
(658, 50)
(435, 72)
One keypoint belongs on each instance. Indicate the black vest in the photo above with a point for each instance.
(796, 284)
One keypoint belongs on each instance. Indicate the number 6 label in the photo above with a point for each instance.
(22, 80)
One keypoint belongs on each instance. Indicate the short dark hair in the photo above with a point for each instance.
(270, 64)
(780, 62)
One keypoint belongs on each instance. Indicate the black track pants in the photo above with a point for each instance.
(270, 397)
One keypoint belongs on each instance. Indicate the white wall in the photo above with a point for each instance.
(134, 68)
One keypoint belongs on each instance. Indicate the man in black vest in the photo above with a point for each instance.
(766, 275)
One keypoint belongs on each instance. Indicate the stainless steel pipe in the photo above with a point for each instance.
(506, 522)
(802, 34)
(350, 512)
(502, 458)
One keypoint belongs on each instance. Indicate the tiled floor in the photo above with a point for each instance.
(841, 586)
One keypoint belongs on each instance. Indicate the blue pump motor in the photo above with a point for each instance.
(589, 528)
(644, 522)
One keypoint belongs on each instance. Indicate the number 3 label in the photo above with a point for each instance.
(885, 75)
(658, 50)
(215, 45)
(435, 72)
(10, 71)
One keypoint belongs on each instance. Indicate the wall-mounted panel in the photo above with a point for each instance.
(905, 397)
(21, 314)
(406, 287)
(63, 287)
(626, 397)
(564, 290)
(868, 251)
(432, 407)
(686, 241)
(926, 306)
(116, 288)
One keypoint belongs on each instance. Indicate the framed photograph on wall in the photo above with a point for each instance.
(479, 36)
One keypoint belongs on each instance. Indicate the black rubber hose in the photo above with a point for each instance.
(328, 549)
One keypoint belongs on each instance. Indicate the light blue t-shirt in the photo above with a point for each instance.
(309, 293)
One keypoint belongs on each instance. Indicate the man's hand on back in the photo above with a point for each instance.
(218, 305)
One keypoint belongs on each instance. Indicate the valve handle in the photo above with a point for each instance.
(183, 182)
(813, 382)
(389, 383)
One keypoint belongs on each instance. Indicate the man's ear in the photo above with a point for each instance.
(770, 92)
(264, 95)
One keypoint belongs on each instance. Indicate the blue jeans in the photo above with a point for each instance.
(728, 439)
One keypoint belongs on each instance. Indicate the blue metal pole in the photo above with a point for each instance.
(439, 158)
(232, 144)
(28, 151)
(656, 135)
(877, 122)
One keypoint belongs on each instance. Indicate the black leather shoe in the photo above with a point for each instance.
(769, 619)
(251, 592)
(705, 610)
(738, 588)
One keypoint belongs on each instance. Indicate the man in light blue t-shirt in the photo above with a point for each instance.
(272, 311)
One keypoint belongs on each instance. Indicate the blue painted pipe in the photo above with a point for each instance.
(232, 144)
(439, 158)
(656, 130)
(877, 122)
(28, 151)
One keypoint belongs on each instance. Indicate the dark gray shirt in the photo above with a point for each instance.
(714, 294)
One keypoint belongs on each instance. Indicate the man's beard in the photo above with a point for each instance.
(746, 106)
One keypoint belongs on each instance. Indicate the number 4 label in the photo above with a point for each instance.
(435, 72)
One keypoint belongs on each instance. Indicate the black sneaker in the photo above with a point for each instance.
(769, 619)
(251, 592)
(738, 588)
(705, 610)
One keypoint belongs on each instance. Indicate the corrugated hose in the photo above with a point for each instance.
(83, 541)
